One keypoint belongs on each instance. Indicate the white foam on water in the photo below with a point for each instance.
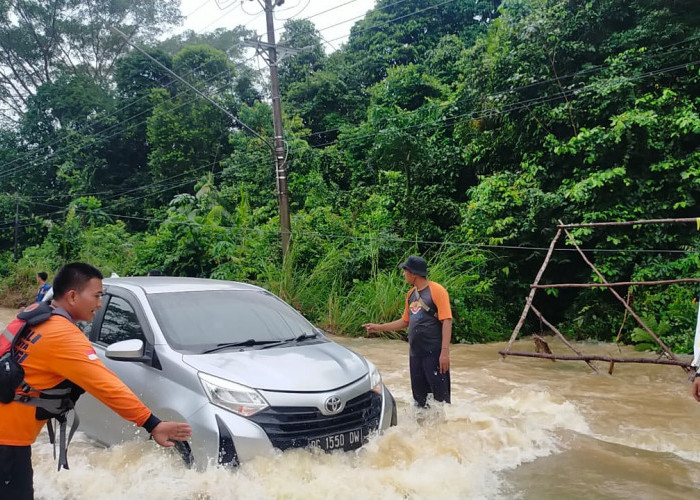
(451, 452)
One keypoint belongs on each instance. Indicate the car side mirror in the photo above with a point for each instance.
(126, 350)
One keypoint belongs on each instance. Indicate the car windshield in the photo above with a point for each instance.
(205, 320)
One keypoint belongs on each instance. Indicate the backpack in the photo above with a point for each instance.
(50, 403)
(11, 372)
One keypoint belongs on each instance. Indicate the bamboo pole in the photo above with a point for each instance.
(619, 283)
(531, 295)
(562, 338)
(672, 362)
(624, 320)
(641, 323)
(685, 220)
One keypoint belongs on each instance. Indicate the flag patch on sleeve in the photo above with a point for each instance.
(91, 354)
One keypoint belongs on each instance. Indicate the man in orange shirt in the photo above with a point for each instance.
(428, 316)
(55, 355)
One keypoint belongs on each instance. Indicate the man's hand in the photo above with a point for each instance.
(166, 432)
(444, 360)
(371, 327)
(696, 389)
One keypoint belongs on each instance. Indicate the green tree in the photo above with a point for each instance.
(187, 134)
(41, 40)
(300, 34)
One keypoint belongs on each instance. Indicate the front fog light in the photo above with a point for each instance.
(235, 397)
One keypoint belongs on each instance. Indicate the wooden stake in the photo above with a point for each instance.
(562, 338)
(624, 319)
(618, 297)
(619, 283)
(685, 220)
(528, 301)
(672, 362)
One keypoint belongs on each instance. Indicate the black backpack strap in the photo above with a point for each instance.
(36, 313)
(416, 296)
(63, 438)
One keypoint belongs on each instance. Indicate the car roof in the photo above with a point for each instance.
(168, 284)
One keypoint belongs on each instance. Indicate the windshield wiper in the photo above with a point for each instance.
(245, 343)
(305, 336)
(265, 343)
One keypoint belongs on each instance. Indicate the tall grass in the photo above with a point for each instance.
(378, 300)
(328, 295)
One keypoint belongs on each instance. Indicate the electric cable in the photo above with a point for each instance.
(100, 135)
(197, 9)
(121, 109)
(395, 239)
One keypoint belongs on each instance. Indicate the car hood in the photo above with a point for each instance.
(303, 368)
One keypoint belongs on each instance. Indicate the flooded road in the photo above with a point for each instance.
(519, 428)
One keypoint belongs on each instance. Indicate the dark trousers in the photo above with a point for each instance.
(16, 474)
(426, 377)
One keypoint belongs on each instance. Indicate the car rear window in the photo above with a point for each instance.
(200, 320)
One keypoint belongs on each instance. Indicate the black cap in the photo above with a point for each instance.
(416, 265)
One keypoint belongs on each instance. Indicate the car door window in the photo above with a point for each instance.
(120, 323)
(85, 327)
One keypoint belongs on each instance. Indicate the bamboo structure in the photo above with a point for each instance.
(670, 357)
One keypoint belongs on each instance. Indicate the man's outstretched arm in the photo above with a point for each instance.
(399, 324)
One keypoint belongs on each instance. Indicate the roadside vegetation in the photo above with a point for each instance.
(461, 131)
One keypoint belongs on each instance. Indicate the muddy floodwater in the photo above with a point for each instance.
(517, 429)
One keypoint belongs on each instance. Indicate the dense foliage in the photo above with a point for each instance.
(463, 131)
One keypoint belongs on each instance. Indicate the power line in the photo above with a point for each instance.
(26, 155)
(510, 107)
(198, 8)
(121, 109)
(162, 185)
(291, 8)
(192, 87)
(385, 23)
(101, 136)
(535, 100)
(395, 239)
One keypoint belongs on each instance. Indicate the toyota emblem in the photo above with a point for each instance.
(333, 405)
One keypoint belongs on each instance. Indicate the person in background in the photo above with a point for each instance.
(56, 356)
(428, 316)
(696, 359)
(44, 286)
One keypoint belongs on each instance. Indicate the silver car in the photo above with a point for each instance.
(237, 363)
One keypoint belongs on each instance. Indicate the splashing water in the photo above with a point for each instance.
(528, 429)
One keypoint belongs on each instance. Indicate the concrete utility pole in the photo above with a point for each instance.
(16, 223)
(280, 166)
(278, 147)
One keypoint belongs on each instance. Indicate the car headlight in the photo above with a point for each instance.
(375, 379)
(231, 396)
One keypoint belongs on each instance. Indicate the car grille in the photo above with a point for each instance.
(293, 426)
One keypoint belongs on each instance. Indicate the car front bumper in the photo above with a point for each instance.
(222, 437)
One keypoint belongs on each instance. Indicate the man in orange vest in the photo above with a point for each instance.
(56, 356)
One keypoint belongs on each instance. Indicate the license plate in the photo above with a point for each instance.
(345, 441)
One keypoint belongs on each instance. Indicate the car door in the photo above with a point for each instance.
(121, 318)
